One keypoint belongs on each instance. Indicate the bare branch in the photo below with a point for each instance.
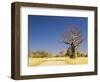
(65, 43)
(80, 42)
(73, 35)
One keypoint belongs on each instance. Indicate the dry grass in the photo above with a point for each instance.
(57, 61)
(35, 61)
(80, 60)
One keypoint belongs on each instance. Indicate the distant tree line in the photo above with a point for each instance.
(43, 54)
(39, 54)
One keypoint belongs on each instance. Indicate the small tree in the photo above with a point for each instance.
(78, 54)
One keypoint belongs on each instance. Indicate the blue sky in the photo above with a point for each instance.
(44, 32)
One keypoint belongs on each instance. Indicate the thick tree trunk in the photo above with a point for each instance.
(73, 55)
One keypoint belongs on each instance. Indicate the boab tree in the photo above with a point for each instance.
(72, 37)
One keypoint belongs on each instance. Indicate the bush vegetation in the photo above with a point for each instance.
(42, 54)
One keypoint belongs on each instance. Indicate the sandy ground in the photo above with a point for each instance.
(53, 63)
(56, 61)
